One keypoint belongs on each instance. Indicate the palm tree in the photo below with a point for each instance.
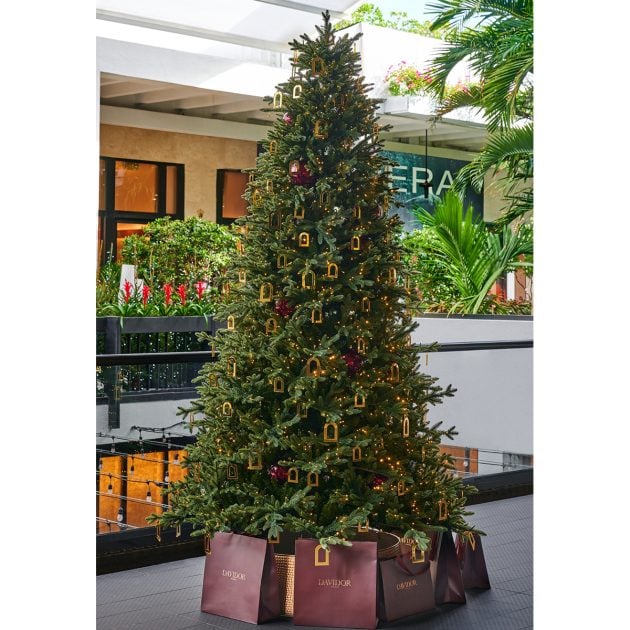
(471, 256)
(499, 50)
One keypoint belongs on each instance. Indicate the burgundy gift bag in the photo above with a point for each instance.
(472, 561)
(239, 580)
(405, 586)
(335, 588)
(447, 576)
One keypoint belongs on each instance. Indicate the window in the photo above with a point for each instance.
(132, 193)
(231, 185)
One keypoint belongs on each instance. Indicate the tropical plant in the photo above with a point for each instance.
(179, 251)
(177, 265)
(399, 20)
(499, 49)
(466, 257)
(406, 79)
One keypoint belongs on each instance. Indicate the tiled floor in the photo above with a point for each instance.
(168, 596)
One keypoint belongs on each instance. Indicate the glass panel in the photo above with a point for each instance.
(136, 186)
(171, 190)
(101, 185)
(234, 183)
(122, 231)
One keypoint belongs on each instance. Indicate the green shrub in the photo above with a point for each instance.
(179, 263)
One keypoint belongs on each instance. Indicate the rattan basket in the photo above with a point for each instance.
(388, 547)
(285, 570)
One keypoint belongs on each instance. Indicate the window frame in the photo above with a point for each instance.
(221, 220)
(109, 217)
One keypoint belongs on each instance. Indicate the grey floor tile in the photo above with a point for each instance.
(168, 596)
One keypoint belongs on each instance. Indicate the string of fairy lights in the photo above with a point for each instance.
(128, 472)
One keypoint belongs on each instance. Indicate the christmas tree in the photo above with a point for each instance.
(314, 416)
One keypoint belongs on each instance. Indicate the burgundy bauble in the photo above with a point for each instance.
(287, 118)
(301, 176)
(354, 361)
(278, 473)
(283, 308)
(377, 481)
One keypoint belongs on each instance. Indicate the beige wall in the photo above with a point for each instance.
(201, 155)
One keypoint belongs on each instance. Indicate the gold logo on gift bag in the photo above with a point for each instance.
(318, 559)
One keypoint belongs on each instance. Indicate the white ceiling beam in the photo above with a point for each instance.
(209, 100)
(248, 105)
(165, 95)
(192, 31)
(143, 119)
(307, 8)
(129, 87)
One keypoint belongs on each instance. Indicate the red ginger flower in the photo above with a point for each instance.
(168, 291)
(128, 288)
(146, 291)
(200, 286)
(181, 289)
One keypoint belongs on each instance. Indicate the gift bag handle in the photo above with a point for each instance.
(405, 559)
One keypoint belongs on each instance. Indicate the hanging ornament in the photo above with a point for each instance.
(256, 198)
(365, 304)
(297, 91)
(282, 261)
(312, 480)
(273, 148)
(392, 275)
(277, 473)
(405, 427)
(277, 100)
(356, 454)
(377, 481)
(298, 213)
(271, 326)
(232, 472)
(353, 360)
(283, 308)
(331, 432)
(401, 488)
(231, 324)
(318, 132)
(226, 409)
(301, 410)
(242, 277)
(316, 315)
(278, 385)
(355, 243)
(292, 475)
(332, 270)
(266, 292)
(231, 367)
(394, 373)
(309, 281)
(254, 462)
(304, 239)
(442, 510)
(286, 119)
(300, 175)
(313, 367)
(356, 212)
(361, 345)
(317, 66)
(360, 400)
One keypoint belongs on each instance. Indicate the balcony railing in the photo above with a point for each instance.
(145, 370)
